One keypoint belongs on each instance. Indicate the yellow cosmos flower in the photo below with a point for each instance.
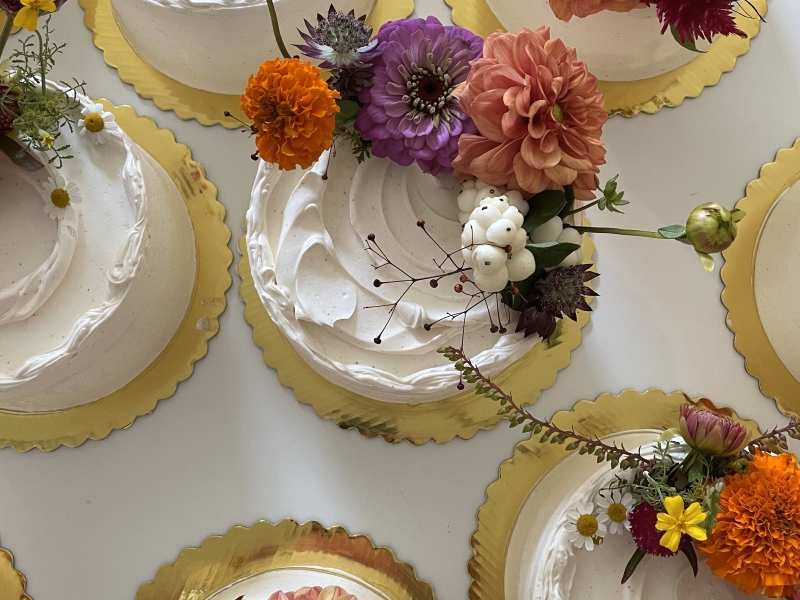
(47, 139)
(28, 16)
(677, 521)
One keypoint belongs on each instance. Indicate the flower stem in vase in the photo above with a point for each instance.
(276, 30)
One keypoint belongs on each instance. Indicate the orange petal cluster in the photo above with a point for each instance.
(293, 110)
(756, 541)
(332, 592)
(566, 9)
(539, 115)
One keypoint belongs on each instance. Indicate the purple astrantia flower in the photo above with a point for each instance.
(410, 112)
(340, 41)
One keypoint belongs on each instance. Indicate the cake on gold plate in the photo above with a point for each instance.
(89, 290)
(214, 45)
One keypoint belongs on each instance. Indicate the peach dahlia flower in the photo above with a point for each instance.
(539, 116)
(566, 9)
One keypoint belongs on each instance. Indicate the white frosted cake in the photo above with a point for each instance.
(543, 564)
(616, 46)
(91, 292)
(215, 45)
(307, 246)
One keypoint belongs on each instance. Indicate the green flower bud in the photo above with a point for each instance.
(710, 228)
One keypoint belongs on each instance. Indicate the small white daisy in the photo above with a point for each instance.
(61, 196)
(98, 122)
(613, 511)
(583, 527)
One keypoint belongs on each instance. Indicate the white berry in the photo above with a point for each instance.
(520, 241)
(548, 232)
(488, 259)
(466, 200)
(570, 236)
(512, 213)
(492, 282)
(468, 185)
(502, 232)
(515, 199)
(521, 265)
(473, 234)
(466, 254)
(485, 215)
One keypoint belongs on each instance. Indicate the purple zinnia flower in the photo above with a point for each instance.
(410, 112)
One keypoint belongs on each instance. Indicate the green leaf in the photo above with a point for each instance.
(569, 193)
(348, 111)
(18, 155)
(708, 262)
(550, 254)
(688, 44)
(737, 214)
(672, 232)
(572, 446)
(637, 557)
(544, 206)
(688, 550)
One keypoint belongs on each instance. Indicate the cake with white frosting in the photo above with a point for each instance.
(215, 45)
(545, 564)
(313, 269)
(93, 287)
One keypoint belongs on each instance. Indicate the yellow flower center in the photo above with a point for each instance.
(587, 525)
(94, 122)
(558, 113)
(60, 197)
(617, 512)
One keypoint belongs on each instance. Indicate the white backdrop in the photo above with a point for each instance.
(233, 446)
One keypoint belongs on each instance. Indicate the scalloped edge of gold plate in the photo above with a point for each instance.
(207, 108)
(629, 98)
(96, 420)
(462, 415)
(749, 337)
(221, 561)
(12, 582)
(531, 461)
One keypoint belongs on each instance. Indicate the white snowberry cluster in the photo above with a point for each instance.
(494, 224)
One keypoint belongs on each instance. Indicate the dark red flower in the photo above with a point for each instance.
(14, 6)
(643, 528)
(693, 19)
(9, 110)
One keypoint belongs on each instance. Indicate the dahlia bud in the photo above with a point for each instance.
(711, 228)
(710, 433)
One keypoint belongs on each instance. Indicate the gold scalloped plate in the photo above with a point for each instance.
(267, 557)
(207, 108)
(461, 415)
(629, 98)
(72, 427)
(531, 461)
(739, 275)
(12, 583)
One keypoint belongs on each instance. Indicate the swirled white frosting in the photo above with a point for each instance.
(306, 240)
(544, 565)
(215, 45)
(92, 333)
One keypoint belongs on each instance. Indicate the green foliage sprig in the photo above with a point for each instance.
(345, 119)
(42, 112)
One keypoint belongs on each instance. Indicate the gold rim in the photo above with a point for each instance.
(750, 339)
(72, 427)
(629, 98)
(531, 461)
(12, 582)
(461, 415)
(207, 108)
(3, 22)
(221, 561)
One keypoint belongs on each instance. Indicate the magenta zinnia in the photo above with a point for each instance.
(643, 519)
(693, 19)
(410, 112)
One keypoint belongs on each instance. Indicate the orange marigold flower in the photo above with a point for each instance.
(756, 541)
(293, 109)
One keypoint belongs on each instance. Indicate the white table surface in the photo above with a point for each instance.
(233, 446)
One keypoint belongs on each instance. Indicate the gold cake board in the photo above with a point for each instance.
(461, 415)
(750, 340)
(207, 108)
(73, 426)
(532, 460)
(12, 583)
(222, 561)
(629, 98)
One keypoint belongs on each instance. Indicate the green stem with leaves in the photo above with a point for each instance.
(617, 231)
(276, 29)
(616, 455)
(575, 211)
(7, 26)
